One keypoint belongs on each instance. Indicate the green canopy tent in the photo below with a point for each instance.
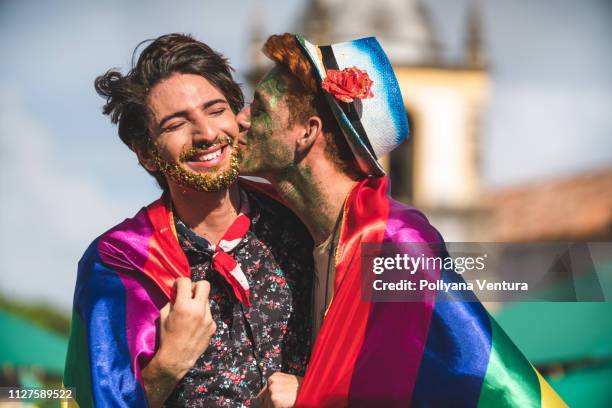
(24, 345)
(571, 343)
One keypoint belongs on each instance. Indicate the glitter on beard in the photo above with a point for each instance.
(200, 182)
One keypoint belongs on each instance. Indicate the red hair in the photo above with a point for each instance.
(285, 51)
(305, 98)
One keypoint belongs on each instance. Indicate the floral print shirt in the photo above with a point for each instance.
(250, 344)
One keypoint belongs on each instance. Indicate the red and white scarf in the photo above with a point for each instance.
(224, 263)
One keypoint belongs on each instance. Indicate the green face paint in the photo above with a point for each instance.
(267, 147)
(271, 152)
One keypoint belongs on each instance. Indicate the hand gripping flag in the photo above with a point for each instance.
(124, 278)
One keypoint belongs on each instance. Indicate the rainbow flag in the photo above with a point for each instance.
(124, 278)
(423, 354)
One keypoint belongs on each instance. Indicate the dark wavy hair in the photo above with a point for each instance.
(126, 95)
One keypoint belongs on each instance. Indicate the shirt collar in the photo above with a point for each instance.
(193, 243)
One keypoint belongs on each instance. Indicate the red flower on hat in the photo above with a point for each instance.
(348, 84)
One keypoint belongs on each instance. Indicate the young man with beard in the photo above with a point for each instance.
(319, 121)
(204, 293)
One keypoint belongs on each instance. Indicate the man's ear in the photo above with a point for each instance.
(145, 158)
(312, 129)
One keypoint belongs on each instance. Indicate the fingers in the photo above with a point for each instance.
(261, 394)
(183, 290)
(201, 293)
(164, 312)
(264, 398)
(201, 290)
(187, 325)
(209, 323)
(186, 290)
(280, 391)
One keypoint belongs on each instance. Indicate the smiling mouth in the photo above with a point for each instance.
(207, 158)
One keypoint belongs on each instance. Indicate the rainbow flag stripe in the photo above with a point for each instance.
(124, 278)
(429, 353)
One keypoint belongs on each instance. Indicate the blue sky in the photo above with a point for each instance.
(66, 177)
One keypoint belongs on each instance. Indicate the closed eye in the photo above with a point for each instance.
(172, 127)
(218, 111)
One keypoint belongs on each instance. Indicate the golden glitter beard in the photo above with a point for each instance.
(196, 181)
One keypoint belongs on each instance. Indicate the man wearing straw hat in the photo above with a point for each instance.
(319, 121)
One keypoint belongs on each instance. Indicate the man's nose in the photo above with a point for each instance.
(204, 130)
(244, 118)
